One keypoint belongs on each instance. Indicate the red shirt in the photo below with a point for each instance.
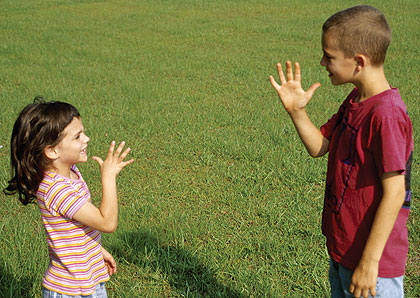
(367, 139)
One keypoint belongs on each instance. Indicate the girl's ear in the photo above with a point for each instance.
(51, 152)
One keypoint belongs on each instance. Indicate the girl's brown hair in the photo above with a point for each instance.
(39, 125)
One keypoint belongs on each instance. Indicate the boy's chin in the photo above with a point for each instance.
(337, 83)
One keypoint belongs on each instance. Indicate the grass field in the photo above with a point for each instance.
(222, 200)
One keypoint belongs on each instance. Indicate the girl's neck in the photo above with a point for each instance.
(64, 171)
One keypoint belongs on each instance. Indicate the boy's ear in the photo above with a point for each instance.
(361, 61)
(51, 152)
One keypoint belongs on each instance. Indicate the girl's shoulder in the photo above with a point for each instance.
(56, 177)
(53, 181)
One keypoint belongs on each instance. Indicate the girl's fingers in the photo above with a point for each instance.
(126, 163)
(120, 148)
(98, 160)
(125, 153)
(111, 149)
(117, 156)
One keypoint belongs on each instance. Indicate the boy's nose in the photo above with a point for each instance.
(322, 62)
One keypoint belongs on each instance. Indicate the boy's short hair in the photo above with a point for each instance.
(361, 29)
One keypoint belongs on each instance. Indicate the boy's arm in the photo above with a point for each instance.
(105, 218)
(294, 100)
(366, 273)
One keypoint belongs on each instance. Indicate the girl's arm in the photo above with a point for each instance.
(294, 100)
(105, 218)
(110, 263)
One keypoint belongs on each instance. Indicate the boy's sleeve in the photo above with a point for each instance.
(65, 200)
(328, 128)
(391, 144)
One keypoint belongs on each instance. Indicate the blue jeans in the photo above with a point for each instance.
(100, 292)
(340, 279)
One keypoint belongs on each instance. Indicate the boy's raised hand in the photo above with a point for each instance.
(114, 161)
(293, 97)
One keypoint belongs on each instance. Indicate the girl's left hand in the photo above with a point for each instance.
(110, 263)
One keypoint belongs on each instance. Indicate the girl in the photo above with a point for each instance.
(48, 140)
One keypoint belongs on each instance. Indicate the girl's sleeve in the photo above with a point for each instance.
(64, 199)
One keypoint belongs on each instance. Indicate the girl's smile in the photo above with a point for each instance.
(72, 148)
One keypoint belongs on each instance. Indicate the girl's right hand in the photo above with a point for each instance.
(114, 161)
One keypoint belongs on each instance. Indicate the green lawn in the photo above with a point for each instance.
(222, 200)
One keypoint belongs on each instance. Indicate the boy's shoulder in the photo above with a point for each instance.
(388, 104)
(383, 105)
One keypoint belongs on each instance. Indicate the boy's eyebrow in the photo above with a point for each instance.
(326, 52)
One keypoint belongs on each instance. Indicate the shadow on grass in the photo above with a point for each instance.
(12, 287)
(185, 274)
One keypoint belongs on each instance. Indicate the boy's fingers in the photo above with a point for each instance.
(312, 89)
(289, 71)
(373, 292)
(274, 83)
(297, 72)
(281, 74)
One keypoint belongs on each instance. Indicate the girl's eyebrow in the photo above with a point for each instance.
(78, 133)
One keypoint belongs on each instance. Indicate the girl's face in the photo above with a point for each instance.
(72, 149)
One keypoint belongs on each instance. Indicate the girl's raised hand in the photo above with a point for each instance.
(114, 161)
(292, 96)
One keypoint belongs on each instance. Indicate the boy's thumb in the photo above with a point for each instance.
(313, 88)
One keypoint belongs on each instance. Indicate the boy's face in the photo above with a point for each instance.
(340, 69)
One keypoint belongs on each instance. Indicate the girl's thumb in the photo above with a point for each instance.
(98, 160)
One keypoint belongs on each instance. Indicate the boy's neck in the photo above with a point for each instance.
(371, 83)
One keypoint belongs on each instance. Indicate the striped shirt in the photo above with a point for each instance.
(76, 261)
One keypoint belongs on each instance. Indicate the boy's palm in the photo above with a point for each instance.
(293, 97)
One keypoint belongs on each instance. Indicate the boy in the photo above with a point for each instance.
(369, 140)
